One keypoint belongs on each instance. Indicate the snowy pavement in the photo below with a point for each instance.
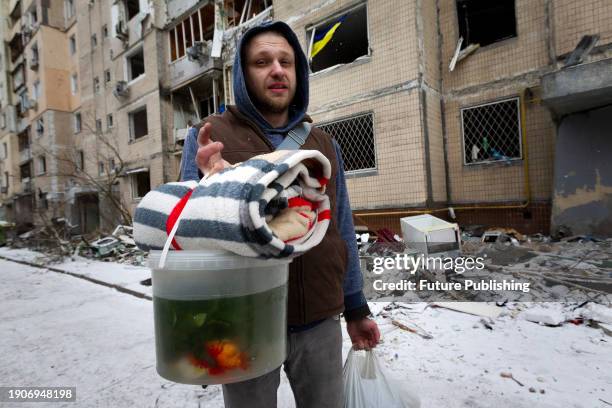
(58, 330)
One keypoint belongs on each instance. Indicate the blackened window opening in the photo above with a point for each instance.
(348, 42)
(137, 67)
(132, 7)
(142, 183)
(485, 22)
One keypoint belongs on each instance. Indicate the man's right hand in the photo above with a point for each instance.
(208, 157)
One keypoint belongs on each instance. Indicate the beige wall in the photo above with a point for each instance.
(573, 19)
(500, 182)
(435, 137)
(400, 176)
(55, 68)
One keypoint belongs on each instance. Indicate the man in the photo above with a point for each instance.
(271, 92)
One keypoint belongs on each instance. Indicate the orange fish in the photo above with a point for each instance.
(223, 355)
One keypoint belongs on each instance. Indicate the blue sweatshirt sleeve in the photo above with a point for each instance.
(189, 169)
(355, 304)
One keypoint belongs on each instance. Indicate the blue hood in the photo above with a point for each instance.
(298, 107)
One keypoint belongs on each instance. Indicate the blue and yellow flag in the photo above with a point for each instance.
(322, 37)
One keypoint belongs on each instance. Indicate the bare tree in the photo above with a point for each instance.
(104, 153)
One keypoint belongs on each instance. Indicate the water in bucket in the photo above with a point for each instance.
(219, 317)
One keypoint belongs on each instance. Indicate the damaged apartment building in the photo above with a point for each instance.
(491, 113)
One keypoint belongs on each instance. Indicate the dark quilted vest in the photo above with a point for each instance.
(315, 278)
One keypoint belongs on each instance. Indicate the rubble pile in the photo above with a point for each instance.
(572, 269)
(57, 244)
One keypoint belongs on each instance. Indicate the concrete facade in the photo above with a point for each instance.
(417, 103)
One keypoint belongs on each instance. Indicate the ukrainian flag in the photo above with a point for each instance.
(324, 36)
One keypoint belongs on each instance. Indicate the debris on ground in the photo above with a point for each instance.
(57, 242)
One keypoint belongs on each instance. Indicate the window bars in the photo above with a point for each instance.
(492, 132)
(355, 135)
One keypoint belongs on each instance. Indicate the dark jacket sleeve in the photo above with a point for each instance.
(189, 169)
(355, 304)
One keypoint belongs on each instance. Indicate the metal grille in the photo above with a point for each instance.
(492, 132)
(355, 136)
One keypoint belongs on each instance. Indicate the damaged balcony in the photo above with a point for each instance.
(195, 101)
(191, 45)
(196, 38)
(578, 88)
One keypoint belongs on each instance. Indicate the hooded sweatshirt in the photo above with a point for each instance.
(354, 301)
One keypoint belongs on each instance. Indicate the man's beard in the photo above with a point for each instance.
(271, 105)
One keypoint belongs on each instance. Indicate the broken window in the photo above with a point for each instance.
(199, 26)
(207, 107)
(239, 11)
(141, 184)
(340, 40)
(132, 7)
(42, 165)
(355, 136)
(492, 132)
(136, 65)
(138, 124)
(23, 140)
(485, 22)
(188, 36)
(25, 170)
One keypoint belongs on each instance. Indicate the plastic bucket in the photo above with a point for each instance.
(219, 317)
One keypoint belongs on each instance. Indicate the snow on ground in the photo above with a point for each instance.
(58, 330)
(124, 275)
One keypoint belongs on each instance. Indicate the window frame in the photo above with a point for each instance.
(132, 130)
(72, 46)
(134, 183)
(329, 19)
(41, 169)
(77, 122)
(465, 43)
(128, 65)
(519, 125)
(74, 83)
(360, 172)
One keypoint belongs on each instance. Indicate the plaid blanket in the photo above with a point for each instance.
(271, 206)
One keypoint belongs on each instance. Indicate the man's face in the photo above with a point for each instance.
(270, 72)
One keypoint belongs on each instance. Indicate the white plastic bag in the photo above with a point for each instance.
(367, 384)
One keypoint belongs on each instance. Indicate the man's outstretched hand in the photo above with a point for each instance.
(208, 157)
(364, 333)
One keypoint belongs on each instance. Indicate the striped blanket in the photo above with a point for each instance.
(271, 206)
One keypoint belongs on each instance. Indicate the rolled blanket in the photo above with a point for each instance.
(271, 206)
